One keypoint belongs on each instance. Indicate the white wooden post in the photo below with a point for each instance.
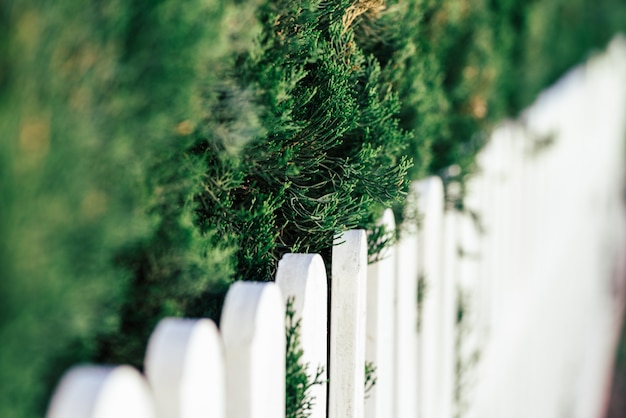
(380, 335)
(253, 329)
(407, 276)
(448, 315)
(474, 203)
(489, 163)
(185, 368)
(469, 333)
(519, 221)
(506, 227)
(347, 326)
(430, 200)
(102, 392)
(485, 162)
(303, 277)
(497, 266)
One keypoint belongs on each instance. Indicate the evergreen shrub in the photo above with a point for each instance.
(331, 157)
(154, 151)
(98, 103)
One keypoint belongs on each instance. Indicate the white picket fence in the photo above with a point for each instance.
(535, 265)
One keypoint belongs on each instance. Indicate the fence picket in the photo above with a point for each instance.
(347, 326)
(380, 348)
(253, 329)
(407, 277)
(102, 392)
(448, 315)
(430, 203)
(303, 277)
(468, 330)
(185, 368)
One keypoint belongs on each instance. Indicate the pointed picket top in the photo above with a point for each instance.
(253, 329)
(102, 392)
(347, 326)
(302, 277)
(380, 326)
(185, 368)
(431, 209)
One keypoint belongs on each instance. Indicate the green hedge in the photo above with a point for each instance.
(98, 101)
(154, 151)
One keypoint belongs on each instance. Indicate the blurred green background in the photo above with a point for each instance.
(154, 151)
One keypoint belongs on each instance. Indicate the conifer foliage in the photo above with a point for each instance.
(154, 151)
(332, 155)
